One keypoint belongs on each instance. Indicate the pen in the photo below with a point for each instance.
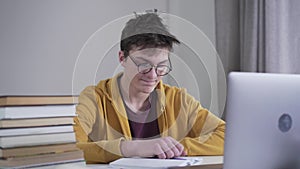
(178, 158)
(174, 158)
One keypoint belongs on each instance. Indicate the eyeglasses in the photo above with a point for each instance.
(161, 70)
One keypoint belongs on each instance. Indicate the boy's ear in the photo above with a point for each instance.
(121, 56)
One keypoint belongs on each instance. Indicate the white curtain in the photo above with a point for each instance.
(259, 35)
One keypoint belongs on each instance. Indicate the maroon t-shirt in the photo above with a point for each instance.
(143, 125)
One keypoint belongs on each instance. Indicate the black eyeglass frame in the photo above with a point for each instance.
(153, 66)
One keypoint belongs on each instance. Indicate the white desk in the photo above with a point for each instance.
(81, 165)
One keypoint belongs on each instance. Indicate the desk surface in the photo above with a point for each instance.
(207, 160)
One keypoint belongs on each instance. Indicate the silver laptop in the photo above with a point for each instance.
(263, 121)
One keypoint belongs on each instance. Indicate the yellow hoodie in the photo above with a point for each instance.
(101, 122)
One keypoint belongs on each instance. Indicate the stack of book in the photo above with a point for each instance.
(37, 130)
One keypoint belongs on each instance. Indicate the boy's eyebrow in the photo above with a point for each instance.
(141, 58)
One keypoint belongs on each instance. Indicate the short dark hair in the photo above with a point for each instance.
(146, 31)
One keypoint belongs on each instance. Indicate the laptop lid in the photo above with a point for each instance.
(262, 121)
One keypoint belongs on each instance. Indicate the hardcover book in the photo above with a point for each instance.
(43, 159)
(39, 139)
(37, 111)
(36, 122)
(36, 150)
(37, 100)
(35, 130)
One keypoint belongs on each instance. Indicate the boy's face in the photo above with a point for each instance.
(147, 82)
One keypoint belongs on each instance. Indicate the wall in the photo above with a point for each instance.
(198, 52)
(40, 41)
